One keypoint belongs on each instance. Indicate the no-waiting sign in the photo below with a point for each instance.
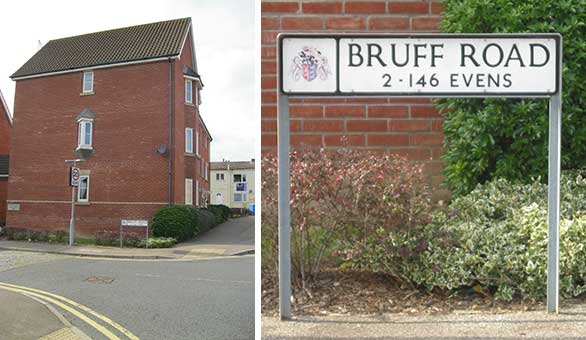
(520, 65)
(74, 176)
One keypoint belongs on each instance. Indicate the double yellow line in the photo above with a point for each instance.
(70, 306)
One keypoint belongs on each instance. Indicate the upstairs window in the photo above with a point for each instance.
(88, 82)
(189, 140)
(84, 138)
(197, 142)
(188, 91)
(219, 177)
(239, 178)
(83, 191)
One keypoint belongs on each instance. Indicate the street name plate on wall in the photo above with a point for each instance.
(135, 223)
(13, 206)
(478, 65)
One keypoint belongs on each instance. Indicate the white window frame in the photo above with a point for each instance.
(197, 143)
(188, 94)
(188, 191)
(83, 87)
(239, 195)
(206, 171)
(196, 193)
(81, 132)
(189, 140)
(87, 196)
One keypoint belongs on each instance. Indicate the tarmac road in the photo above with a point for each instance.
(165, 299)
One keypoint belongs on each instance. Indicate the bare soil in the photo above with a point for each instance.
(337, 291)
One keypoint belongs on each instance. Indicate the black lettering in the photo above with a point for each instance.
(480, 80)
(494, 80)
(470, 56)
(507, 79)
(518, 57)
(376, 55)
(468, 81)
(394, 55)
(500, 51)
(454, 80)
(354, 54)
(417, 55)
(532, 47)
(435, 56)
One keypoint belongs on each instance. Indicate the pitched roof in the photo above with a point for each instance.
(239, 165)
(4, 165)
(128, 44)
(6, 110)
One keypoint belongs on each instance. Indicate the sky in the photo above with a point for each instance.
(224, 45)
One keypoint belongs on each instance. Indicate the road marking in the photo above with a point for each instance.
(196, 279)
(84, 318)
(186, 258)
(105, 319)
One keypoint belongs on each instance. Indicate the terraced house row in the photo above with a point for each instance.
(127, 101)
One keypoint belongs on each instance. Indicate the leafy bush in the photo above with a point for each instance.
(496, 237)
(207, 220)
(158, 242)
(221, 213)
(491, 138)
(178, 221)
(338, 198)
(223, 210)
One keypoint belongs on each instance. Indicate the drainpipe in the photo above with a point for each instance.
(171, 128)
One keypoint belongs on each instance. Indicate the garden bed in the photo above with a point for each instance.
(337, 291)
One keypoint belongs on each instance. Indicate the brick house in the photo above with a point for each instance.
(411, 127)
(5, 127)
(127, 101)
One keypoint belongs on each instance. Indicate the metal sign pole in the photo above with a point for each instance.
(553, 196)
(284, 208)
(72, 220)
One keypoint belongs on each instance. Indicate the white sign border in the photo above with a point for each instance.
(337, 36)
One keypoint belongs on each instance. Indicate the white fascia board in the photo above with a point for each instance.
(144, 61)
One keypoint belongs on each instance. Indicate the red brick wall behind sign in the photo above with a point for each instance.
(406, 126)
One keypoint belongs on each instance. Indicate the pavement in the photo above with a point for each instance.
(233, 237)
(569, 324)
(25, 318)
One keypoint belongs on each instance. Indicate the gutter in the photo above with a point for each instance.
(171, 114)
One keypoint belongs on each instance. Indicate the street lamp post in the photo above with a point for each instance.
(72, 220)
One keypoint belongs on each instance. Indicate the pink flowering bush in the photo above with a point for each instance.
(339, 200)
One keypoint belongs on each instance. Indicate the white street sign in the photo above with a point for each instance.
(135, 223)
(523, 65)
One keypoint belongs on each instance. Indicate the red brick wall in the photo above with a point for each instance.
(128, 177)
(4, 149)
(407, 126)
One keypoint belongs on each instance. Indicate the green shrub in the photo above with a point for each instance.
(221, 212)
(496, 236)
(178, 221)
(158, 242)
(492, 138)
(207, 220)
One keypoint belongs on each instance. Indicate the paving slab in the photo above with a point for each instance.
(569, 324)
(23, 318)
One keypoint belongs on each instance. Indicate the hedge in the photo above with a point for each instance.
(207, 220)
(178, 221)
(221, 212)
(492, 138)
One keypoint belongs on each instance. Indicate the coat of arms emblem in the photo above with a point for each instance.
(310, 64)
